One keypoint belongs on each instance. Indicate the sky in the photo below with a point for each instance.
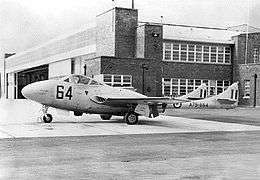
(27, 23)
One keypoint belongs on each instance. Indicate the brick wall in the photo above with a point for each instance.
(245, 70)
(153, 42)
(129, 66)
(197, 71)
(125, 32)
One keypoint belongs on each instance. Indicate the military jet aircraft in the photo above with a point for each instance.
(228, 99)
(82, 94)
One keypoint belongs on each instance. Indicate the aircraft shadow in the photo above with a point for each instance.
(151, 122)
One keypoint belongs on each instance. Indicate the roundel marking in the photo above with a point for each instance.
(177, 105)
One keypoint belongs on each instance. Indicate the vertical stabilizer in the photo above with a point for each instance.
(199, 93)
(230, 95)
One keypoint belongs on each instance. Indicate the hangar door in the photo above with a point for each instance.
(29, 76)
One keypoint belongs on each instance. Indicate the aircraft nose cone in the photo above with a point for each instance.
(27, 91)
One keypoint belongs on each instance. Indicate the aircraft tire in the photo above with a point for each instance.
(47, 118)
(105, 116)
(131, 118)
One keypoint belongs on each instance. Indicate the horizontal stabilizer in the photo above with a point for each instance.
(226, 101)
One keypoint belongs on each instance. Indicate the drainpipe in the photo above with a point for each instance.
(255, 86)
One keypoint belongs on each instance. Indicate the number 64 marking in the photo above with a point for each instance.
(60, 92)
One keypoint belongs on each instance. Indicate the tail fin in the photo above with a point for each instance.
(230, 95)
(199, 93)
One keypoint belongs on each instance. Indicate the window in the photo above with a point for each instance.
(198, 53)
(191, 48)
(107, 79)
(166, 87)
(220, 54)
(227, 54)
(176, 51)
(167, 51)
(205, 53)
(256, 55)
(176, 87)
(183, 87)
(183, 52)
(219, 87)
(117, 80)
(190, 85)
(213, 54)
(247, 89)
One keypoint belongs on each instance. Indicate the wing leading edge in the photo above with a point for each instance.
(117, 101)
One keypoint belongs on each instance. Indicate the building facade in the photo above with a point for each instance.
(155, 59)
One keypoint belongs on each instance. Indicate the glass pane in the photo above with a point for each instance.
(191, 47)
(213, 49)
(197, 82)
(191, 56)
(168, 46)
(205, 81)
(183, 82)
(220, 49)
(166, 90)
(175, 46)
(220, 83)
(176, 55)
(182, 90)
(213, 58)
(190, 82)
(184, 47)
(219, 90)
(205, 57)
(126, 79)
(227, 58)
(107, 78)
(190, 89)
(174, 91)
(183, 56)
(226, 83)
(175, 82)
(117, 78)
(220, 58)
(198, 48)
(198, 56)
(167, 55)
(206, 49)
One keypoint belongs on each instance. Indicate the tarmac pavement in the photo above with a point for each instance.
(89, 148)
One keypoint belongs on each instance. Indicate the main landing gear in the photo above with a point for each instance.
(131, 118)
(47, 118)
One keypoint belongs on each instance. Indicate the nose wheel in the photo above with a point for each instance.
(46, 117)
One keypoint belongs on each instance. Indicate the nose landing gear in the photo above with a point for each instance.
(47, 118)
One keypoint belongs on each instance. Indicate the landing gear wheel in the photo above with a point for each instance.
(105, 116)
(47, 118)
(131, 118)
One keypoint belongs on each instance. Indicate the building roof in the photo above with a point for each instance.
(201, 34)
(244, 28)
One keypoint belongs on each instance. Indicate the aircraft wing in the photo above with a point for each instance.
(118, 101)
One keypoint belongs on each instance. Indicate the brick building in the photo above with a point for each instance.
(155, 59)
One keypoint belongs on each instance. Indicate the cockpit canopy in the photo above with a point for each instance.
(79, 79)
